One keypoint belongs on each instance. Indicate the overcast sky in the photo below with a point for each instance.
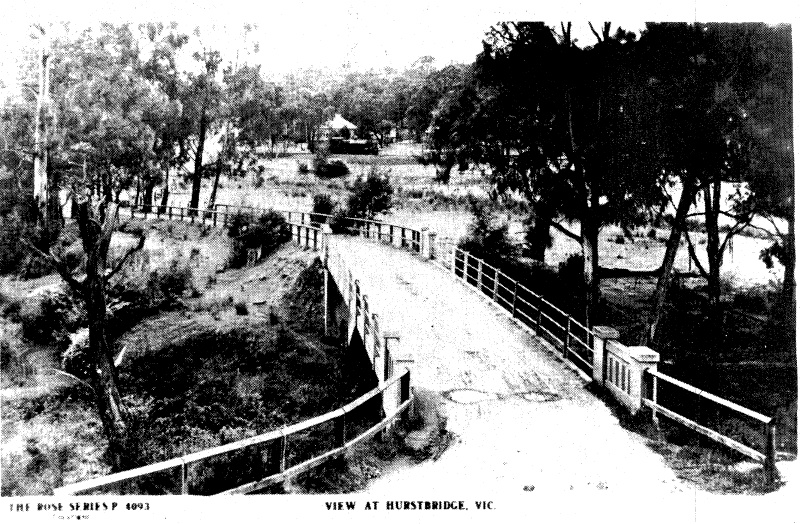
(299, 34)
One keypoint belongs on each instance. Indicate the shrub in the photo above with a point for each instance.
(487, 240)
(48, 317)
(302, 168)
(331, 169)
(323, 204)
(76, 359)
(241, 308)
(371, 195)
(268, 233)
(146, 289)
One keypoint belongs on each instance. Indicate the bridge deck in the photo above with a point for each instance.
(520, 416)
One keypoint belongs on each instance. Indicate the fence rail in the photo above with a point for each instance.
(574, 341)
(255, 463)
(656, 381)
(276, 465)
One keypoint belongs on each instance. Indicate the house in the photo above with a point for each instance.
(337, 127)
(340, 134)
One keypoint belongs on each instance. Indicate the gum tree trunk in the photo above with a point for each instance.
(673, 242)
(96, 241)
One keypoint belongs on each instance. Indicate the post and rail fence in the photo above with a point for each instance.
(629, 373)
(258, 462)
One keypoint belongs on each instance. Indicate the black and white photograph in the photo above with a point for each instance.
(409, 262)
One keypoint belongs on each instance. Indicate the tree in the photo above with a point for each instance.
(105, 137)
(701, 81)
(557, 124)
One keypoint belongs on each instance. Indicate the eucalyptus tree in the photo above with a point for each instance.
(108, 118)
(558, 124)
(703, 84)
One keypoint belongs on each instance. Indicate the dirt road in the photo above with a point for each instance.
(522, 419)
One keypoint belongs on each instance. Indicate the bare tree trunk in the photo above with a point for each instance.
(673, 243)
(147, 197)
(40, 181)
(197, 177)
(539, 238)
(220, 164)
(96, 241)
(711, 195)
(165, 194)
(789, 290)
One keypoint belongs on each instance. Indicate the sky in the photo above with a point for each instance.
(304, 33)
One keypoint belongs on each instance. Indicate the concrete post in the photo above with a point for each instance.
(424, 249)
(431, 243)
(326, 238)
(602, 334)
(641, 358)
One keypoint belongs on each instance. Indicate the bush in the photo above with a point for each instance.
(371, 195)
(324, 205)
(241, 308)
(268, 233)
(48, 317)
(145, 289)
(331, 169)
(487, 240)
(76, 359)
(302, 168)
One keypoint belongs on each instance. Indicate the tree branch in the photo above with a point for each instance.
(692, 254)
(599, 40)
(127, 255)
(59, 265)
(565, 231)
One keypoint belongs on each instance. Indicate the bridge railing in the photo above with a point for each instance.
(629, 373)
(396, 235)
(258, 462)
(574, 340)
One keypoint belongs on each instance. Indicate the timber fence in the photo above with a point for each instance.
(629, 373)
(258, 462)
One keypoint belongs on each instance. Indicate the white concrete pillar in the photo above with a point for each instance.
(641, 358)
(602, 334)
(431, 253)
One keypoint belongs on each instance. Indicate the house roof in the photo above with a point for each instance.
(339, 122)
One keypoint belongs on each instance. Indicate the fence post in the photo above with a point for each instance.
(181, 214)
(184, 478)
(654, 413)
(453, 260)
(340, 430)
(466, 265)
(496, 280)
(431, 245)
(769, 452)
(566, 337)
(602, 335)
(539, 328)
(514, 301)
(479, 283)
